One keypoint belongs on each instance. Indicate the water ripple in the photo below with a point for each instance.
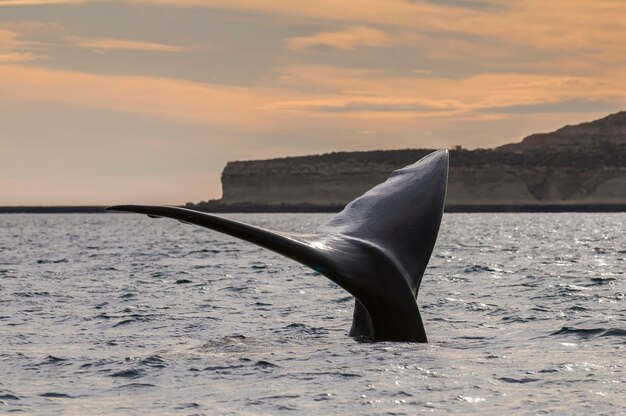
(121, 314)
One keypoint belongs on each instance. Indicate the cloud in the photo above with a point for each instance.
(17, 57)
(349, 38)
(37, 2)
(19, 40)
(224, 106)
(565, 106)
(105, 44)
(383, 107)
(539, 31)
(8, 40)
(371, 93)
(15, 49)
(376, 12)
(304, 96)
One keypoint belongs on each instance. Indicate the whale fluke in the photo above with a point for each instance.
(377, 248)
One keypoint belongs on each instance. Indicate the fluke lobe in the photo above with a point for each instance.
(377, 248)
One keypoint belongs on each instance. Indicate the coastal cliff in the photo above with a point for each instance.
(582, 165)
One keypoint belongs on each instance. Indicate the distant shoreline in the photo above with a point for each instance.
(70, 209)
(249, 208)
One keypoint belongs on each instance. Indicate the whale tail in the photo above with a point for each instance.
(377, 248)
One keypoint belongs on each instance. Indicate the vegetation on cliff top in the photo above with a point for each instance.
(600, 143)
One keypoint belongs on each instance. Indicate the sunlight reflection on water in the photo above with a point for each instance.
(106, 314)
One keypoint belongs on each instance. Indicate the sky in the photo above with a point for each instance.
(145, 101)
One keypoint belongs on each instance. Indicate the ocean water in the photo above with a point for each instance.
(120, 314)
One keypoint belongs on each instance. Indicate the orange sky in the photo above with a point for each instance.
(144, 101)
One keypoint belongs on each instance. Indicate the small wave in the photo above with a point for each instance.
(597, 281)
(134, 317)
(281, 396)
(284, 407)
(97, 363)
(136, 385)
(569, 288)
(51, 359)
(479, 306)
(32, 294)
(131, 373)
(56, 395)
(105, 268)
(52, 261)
(302, 328)
(476, 268)
(519, 380)
(235, 289)
(314, 376)
(323, 397)
(191, 405)
(205, 266)
(124, 322)
(223, 368)
(518, 319)
(591, 333)
(9, 396)
(265, 364)
(154, 361)
(182, 281)
(204, 251)
(470, 399)
(232, 341)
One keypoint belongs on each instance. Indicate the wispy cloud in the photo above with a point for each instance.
(377, 12)
(343, 97)
(9, 40)
(396, 107)
(15, 49)
(37, 2)
(18, 57)
(349, 38)
(560, 29)
(105, 44)
(23, 41)
(224, 106)
(342, 91)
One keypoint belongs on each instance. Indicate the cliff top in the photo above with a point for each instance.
(597, 143)
(608, 130)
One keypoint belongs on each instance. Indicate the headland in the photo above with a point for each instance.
(575, 168)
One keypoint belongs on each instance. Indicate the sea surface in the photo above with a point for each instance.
(105, 314)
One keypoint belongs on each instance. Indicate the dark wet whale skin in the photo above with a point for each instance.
(377, 248)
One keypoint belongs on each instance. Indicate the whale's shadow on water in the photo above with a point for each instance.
(377, 248)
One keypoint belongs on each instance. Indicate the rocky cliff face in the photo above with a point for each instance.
(332, 179)
(584, 164)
